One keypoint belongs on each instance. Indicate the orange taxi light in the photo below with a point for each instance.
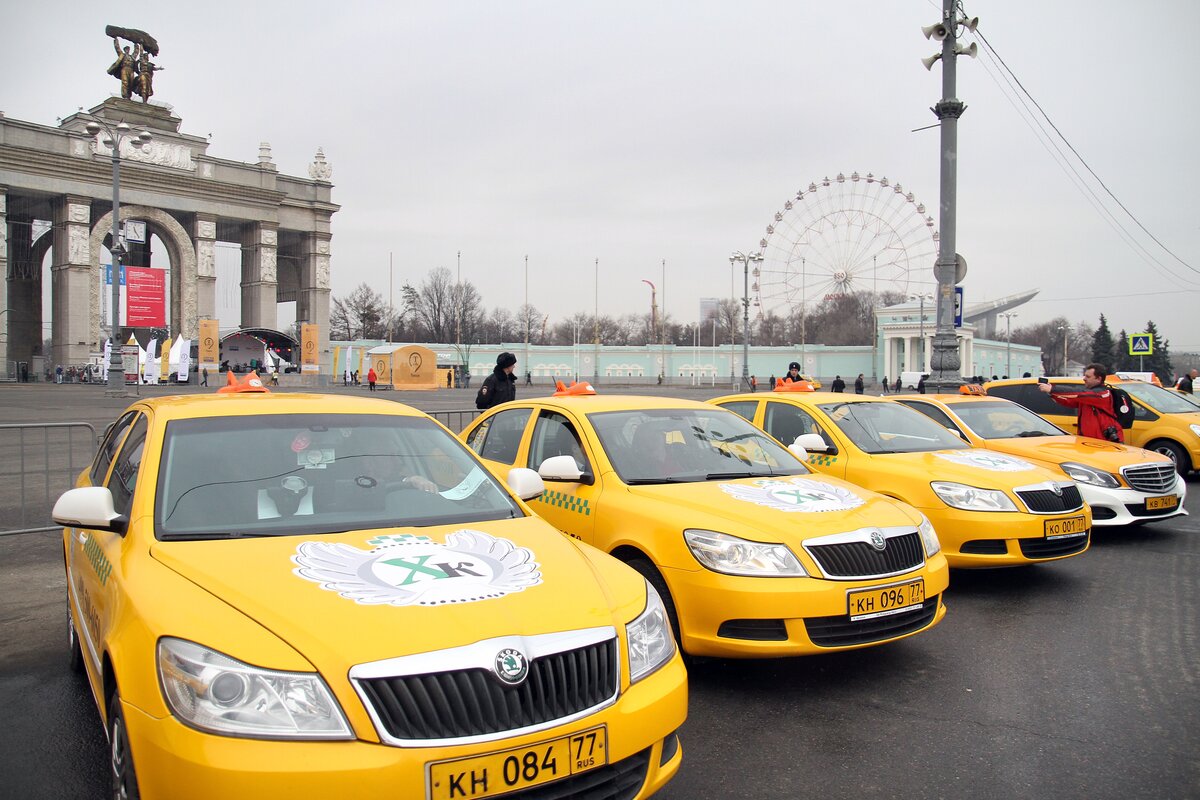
(577, 388)
(789, 385)
(250, 383)
(971, 389)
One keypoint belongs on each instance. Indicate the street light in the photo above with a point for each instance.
(1008, 315)
(747, 260)
(116, 135)
(1066, 329)
(922, 298)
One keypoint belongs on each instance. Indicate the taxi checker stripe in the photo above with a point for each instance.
(823, 461)
(568, 501)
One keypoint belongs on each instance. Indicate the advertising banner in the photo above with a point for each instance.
(210, 345)
(145, 300)
(130, 361)
(309, 363)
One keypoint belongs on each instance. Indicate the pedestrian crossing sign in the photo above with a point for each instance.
(1141, 344)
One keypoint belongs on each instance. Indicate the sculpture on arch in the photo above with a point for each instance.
(134, 69)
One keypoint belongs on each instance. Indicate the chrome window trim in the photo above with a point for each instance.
(862, 535)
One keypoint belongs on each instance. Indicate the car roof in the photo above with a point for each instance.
(586, 404)
(814, 397)
(252, 403)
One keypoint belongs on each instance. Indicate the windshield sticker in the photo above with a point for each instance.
(404, 570)
(991, 461)
(794, 494)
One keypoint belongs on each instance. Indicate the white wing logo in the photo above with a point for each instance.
(996, 462)
(794, 494)
(405, 570)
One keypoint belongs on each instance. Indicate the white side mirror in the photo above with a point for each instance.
(811, 443)
(87, 507)
(560, 468)
(525, 483)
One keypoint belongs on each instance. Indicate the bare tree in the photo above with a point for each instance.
(433, 305)
(499, 326)
(363, 314)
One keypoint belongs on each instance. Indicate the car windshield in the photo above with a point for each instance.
(278, 475)
(885, 427)
(685, 445)
(1161, 400)
(1003, 420)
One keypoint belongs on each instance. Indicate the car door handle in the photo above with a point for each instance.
(82, 537)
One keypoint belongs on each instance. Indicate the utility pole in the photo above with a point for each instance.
(1008, 315)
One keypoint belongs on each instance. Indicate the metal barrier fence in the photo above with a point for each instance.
(38, 462)
(456, 418)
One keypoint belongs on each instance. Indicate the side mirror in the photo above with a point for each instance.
(813, 443)
(564, 468)
(525, 483)
(88, 507)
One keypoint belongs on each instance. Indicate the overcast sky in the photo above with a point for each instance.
(634, 132)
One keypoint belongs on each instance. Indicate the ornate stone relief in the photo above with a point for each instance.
(3, 203)
(206, 229)
(320, 169)
(164, 154)
(79, 148)
(206, 258)
(270, 237)
(77, 245)
(266, 272)
(206, 170)
(78, 213)
(323, 246)
(322, 272)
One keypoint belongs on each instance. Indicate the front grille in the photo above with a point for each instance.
(1053, 548)
(1140, 510)
(861, 560)
(1151, 478)
(1044, 501)
(619, 781)
(984, 547)
(756, 630)
(474, 702)
(839, 631)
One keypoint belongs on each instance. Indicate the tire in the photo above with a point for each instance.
(1175, 452)
(120, 756)
(75, 653)
(651, 574)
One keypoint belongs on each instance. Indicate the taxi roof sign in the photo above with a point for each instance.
(250, 383)
(789, 385)
(576, 388)
(1141, 344)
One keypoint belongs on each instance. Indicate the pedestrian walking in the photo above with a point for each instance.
(772, 383)
(885, 384)
(753, 384)
(839, 385)
(204, 377)
(371, 378)
(921, 385)
(899, 385)
(58, 373)
(1097, 417)
(501, 385)
(528, 377)
(1186, 382)
(859, 385)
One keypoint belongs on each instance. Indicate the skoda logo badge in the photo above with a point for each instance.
(511, 666)
(877, 540)
(1054, 487)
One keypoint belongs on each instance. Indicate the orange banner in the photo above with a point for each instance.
(209, 345)
(309, 358)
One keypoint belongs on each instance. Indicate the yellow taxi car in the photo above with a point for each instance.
(1163, 421)
(1123, 485)
(294, 596)
(989, 509)
(752, 554)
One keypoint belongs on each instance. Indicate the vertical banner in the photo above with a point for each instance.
(183, 359)
(164, 367)
(145, 300)
(309, 363)
(210, 345)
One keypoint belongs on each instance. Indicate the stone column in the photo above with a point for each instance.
(204, 236)
(70, 273)
(312, 300)
(260, 305)
(4, 313)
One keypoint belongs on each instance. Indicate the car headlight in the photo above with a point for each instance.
(213, 692)
(970, 498)
(928, 537)
(649, 639)
(1195, 429)
(1082, 473)
(721, 552)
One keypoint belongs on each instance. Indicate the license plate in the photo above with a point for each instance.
(1062, 528)
(519, 768)
(1153, 503)
(884, 600)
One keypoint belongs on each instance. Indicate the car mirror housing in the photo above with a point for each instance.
(564, 468)
(811, 443)
(88, 507)
(525, 483)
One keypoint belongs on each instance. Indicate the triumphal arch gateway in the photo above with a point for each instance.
(191, 200)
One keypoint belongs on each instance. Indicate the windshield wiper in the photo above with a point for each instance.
(648, 481)
(720, 476)
(1026, 434)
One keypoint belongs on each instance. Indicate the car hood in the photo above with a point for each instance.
(785, 509)
(355, 597)
(1107, 456)
(973, 466)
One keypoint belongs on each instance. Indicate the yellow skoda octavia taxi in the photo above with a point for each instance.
(1122, 485)
(989, 509)
(303, 596)
(753, 555)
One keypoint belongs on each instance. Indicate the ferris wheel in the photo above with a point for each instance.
(843, 235)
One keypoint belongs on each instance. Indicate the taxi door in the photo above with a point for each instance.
(785, 421)
(95, 555)
(569, 506)
(497, 440)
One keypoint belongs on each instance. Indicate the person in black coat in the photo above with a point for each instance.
(839, 385)
(859, 386)
(501, 385)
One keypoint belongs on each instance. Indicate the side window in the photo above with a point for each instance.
(112, 440)
(1028, 395)
(934, 413)
(503, 436)
(554, 435)
(785, 422)
(744, 408)
(125, 469)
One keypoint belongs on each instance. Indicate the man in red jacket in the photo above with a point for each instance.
(1097, 419)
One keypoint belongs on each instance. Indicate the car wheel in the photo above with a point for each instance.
(124, 778)
(1174, 452)
(651, 574)
(75, 653)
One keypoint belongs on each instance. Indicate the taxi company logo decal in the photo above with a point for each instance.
(404, 570)
(992, 461)
(794, 494)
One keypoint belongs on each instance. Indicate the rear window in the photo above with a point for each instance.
(1037, 401)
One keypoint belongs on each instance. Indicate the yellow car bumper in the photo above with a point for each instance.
(741, 617)
(175, 761)
(1009, 539)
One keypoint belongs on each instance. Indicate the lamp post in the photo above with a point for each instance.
(747, 260)
(1066, 329)
(116, 135)
(1008, 315)
(922, 298)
